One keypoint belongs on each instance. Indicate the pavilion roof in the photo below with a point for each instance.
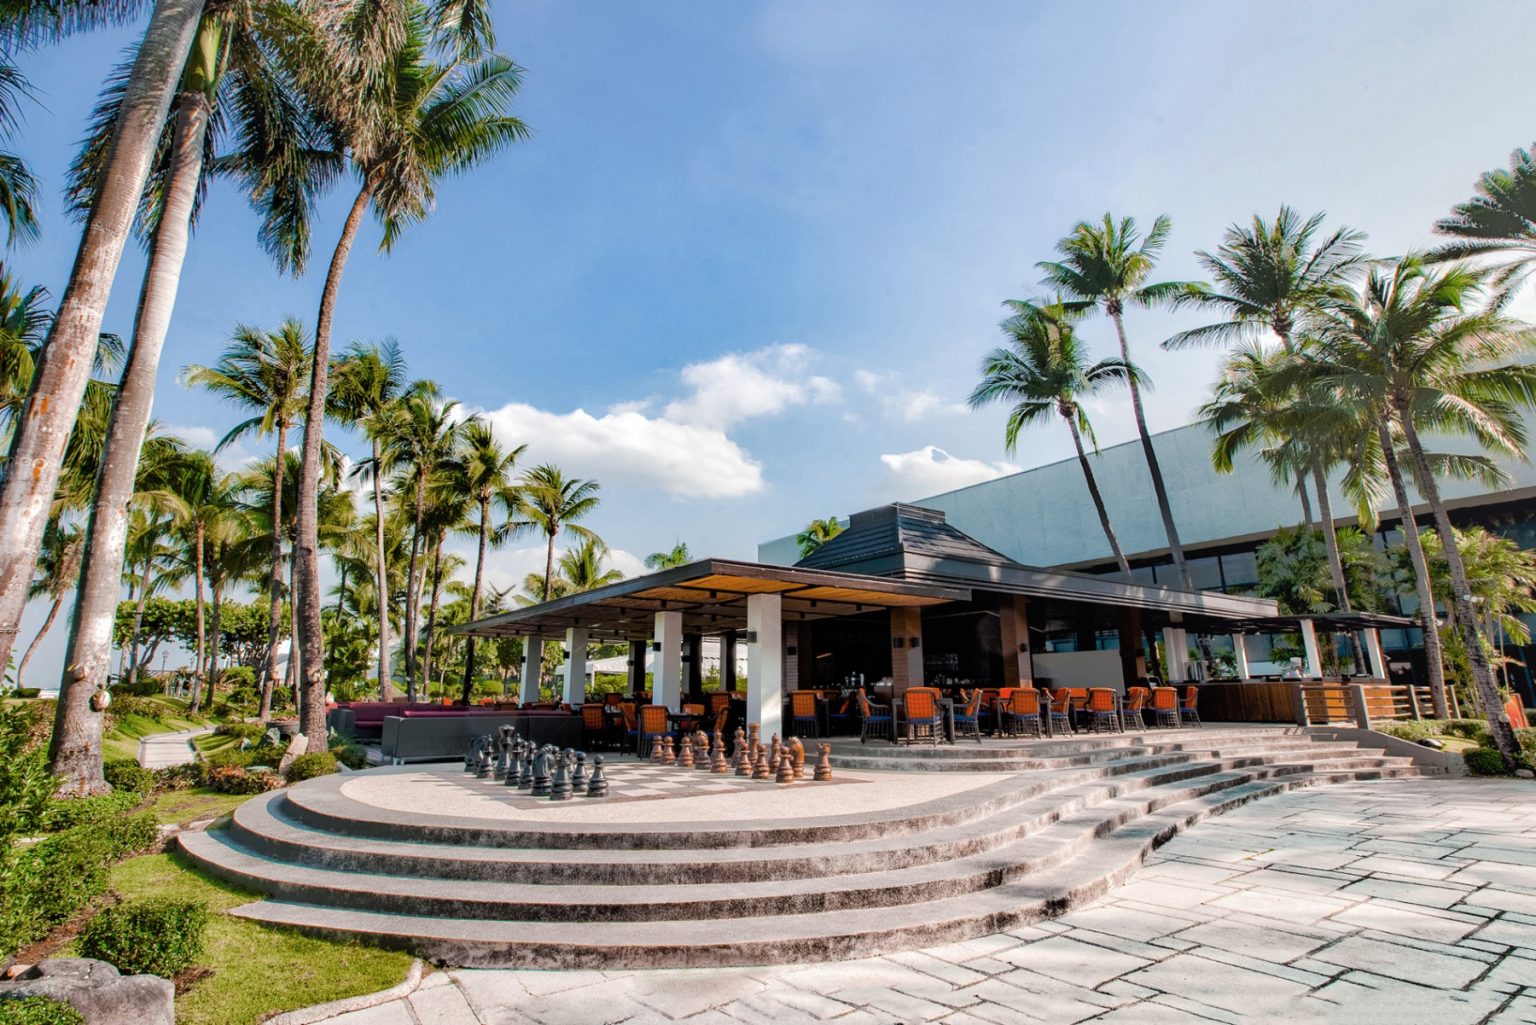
(1328, 622)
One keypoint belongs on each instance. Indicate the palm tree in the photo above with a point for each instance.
(205, 499)
(1500, 220)
(553, 502)
(1106, 265)
(18, 188)
(422, 439)
(1408, 350)
(1044, 369)
(413, 123)
(368, 379)
(263, 372)
(817, 533)
(582, 566)
(57, 570)
(678, 556)
(484, 470)
(59, 385)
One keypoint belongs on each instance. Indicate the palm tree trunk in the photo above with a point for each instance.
(437, 587)
(1164, 509)
(1466, 617)
(21, 668)
(122, 648)
(474, 595)
(197, 663)
(133, 636)
(213, 648)
(386, 684)
(306, 548)
(1336, 560)
(275, 584)
(1410, 528)
(291, 678)
(1098, 500)
(1306, 501)
(58, 387)
(412, 601)
(549, 560)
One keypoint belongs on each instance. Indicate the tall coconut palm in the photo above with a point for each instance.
(18, 188)
(422, 439)
(1499, 220)
(1411, 349)
(368, 379)
(57, 570)
(817, 533)
(486, 470)
(1105, 266)
(206, 498)
(60, 382)
(412, 124)
(584, 566)
(553, 502)
(678, 556)
(264, 372)
(1044, 370)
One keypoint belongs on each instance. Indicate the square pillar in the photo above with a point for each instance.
(637, 650)
(1374, 656)
(906, 650)
(1013, 625)
(667, 670)
(1133, 663)
(1314, 666)
(533, 664)
(1240, 652)
(576, 665)
(765, 663)
(728, 662)
(1175, 654)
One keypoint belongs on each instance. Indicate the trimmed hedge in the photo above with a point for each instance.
(69, 812)
(38, 1011)
(350, 755)
(308, 766)
(1484, 761)
(125, 774)
(147, 937)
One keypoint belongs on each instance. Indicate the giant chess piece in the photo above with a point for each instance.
(762, 770)
(597, 786)
(668, 756)
(701, 750)
(823, 762)
(579, 777)
(541, 771)
(685, 760)
(515, 763)
(718, 765)
(786, 771)
(469, 754)
(486, 763)
(658, 745)
(561, 790)
(739, 752)
(774, 753)
(797, 752)
(525, 780)
(503, 752)
(754, 741)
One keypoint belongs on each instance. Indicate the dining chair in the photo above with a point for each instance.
(968, 718)
(923, 714)
(1165, 706)
(1188, 715)
(803, 721)
(877, 720)
(1061, 710)
(1022, 712)
(1136, 699)
(653, 724)
(1103, 710)
(594, 726)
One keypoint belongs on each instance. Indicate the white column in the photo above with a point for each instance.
(533, 658)
(1175, 654)
(765, 663)
(576, 665)
(667, 667)
(1314, 666)
(1374, 655)
(1240, 651)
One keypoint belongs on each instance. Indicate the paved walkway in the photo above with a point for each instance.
(163, 750)
(1406, 902)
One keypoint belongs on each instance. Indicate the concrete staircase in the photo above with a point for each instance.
(1074, 818)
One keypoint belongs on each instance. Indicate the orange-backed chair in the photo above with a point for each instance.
(1022, 712)
(1104, 710)
(803, 720)
(968, 718)
(1136, 698)
(1061, 710)
(923, 714)
(594, 726)
(1165, 706)
(653, 724)
(876, 719)
(1188, 714)
(721, 715)
(613, 699)
(692, 708)
(718, 701)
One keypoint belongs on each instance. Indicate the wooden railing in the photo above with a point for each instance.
(1312, 703)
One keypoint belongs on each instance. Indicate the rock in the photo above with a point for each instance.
(296, 747)
(1525, 774)
(97, 991)
(1438, 745)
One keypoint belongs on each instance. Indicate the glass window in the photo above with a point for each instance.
(1240, 570)
(1205, 573)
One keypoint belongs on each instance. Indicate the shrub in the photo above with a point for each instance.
(350, 755)
(308, 766)
(155, 936)
(1469, 729)
(179, 777)
(235, 779)
(254, 732)
(26, 786)
(27, 693)
(128, 775)
(68, 812)
(1485, 761)
(38, 1011)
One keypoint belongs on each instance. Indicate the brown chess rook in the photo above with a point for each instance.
(799, 756)
(823, 762)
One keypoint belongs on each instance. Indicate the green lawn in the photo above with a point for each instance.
(257, 970)
(123, 740)
(183, 807)
(211, 742)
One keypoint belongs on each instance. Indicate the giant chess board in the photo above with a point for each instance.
(630, 780)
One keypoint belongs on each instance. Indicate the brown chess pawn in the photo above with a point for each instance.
(797, 749)
(657, 746)
(718, 765)
(786, 773)
(685, 760)
(668, 756)
(823, 763)
(762, 770)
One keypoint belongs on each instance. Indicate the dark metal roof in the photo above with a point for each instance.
(1328, 622)
(899, 530)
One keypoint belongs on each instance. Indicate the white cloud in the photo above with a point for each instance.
(930, 470)
(902, 403)
(507, 567)
(195, 435)
(629, 447)
(740, 386)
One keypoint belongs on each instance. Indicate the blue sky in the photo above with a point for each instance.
(744, 269)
